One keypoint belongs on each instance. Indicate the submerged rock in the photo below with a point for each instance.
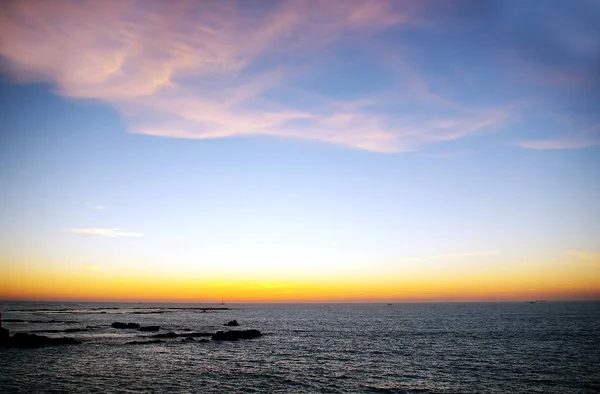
(232, 323)
(4, 334)
(149, 328)
(125, 325)
(147, 312)
(234, 335)
(190, 339)
(24, 340)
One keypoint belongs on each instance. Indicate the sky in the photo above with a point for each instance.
(300, 150)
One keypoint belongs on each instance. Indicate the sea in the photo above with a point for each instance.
(500, 347)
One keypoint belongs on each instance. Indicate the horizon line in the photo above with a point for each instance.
(305, 301)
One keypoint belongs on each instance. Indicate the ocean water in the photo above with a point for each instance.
(547, 347)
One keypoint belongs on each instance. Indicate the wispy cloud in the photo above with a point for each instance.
(586, 258)
(585, 255)
(221, 284)
(267, 285)
(187, 71)
(583, 139)
(92, 268)
(214, 69)
(105, 232)
(459, 255)
(559, 144)
(91, 205)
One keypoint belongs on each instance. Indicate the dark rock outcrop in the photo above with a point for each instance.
(232, 323)
(234, 335)
(125, 325)
(4, 334)
(25, 340)
(149, 328)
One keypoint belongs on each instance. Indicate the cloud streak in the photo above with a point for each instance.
(459, 255)
(97, 207)
(105, 232)
(585, 139)
(586, 256)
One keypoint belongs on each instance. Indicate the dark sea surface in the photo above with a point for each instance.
(545, 347)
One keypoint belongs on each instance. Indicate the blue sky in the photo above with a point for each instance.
(299, 137)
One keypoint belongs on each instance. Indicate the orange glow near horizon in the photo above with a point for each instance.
(92, 284)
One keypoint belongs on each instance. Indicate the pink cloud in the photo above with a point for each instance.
(182, 70)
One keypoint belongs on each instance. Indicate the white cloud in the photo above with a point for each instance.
(91, 205)
(105, 232)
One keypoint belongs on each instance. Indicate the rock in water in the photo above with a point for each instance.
(232, 323)
(234, 335)
(4, 334)
(149, 328)
(224, 336)
(24, 340)
(125, 325)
